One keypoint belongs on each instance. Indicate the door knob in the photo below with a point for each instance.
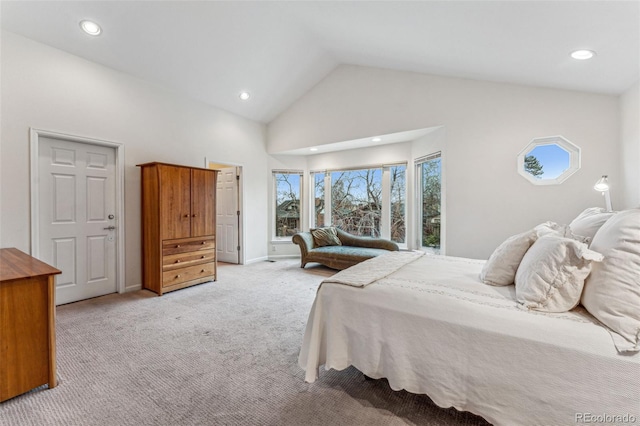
(109, 228)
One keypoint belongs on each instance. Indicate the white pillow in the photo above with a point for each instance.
(552, 228)
(547, 228)
(612, 291)
(552, 273)
(589, 221)
(501, 267)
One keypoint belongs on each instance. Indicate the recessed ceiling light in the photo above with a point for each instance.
(313, 149)
(244, 95)
(376, 139)
(583, 54)
(90, 27)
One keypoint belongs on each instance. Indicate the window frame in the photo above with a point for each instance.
(385, 219)
(419, 194)
(274, 209)
(574, 159)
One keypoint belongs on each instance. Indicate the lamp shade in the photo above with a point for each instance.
(602, 184)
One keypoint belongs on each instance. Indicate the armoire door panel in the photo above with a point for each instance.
(175, 206)
(203, 202)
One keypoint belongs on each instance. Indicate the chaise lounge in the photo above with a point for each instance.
(338, 249)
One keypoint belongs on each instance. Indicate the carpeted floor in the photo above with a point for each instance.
(222, 353)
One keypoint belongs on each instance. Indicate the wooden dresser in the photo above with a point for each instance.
(27, 323)
(178, 226)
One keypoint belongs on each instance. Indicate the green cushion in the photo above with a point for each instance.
(347, 252)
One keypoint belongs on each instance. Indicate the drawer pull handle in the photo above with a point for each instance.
(186, 215)
(202, 257)
(204, 242)
(193, 215)
(202, 270)
(178, 261)
(177, 245)
(178, 276)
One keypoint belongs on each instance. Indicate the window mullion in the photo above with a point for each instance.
(385, 216)
(328, 215)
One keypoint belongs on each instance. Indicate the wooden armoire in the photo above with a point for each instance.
(178, 226)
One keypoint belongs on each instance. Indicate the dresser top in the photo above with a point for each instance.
(15, 264)
(157, 163)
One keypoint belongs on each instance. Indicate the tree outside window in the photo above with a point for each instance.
(431, 177)
(318, 190)
(398, 203)
(287, 215)
(356, 201)
(533, 166)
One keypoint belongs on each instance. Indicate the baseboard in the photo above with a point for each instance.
(257, 259)
(284, 256)
(134, 287)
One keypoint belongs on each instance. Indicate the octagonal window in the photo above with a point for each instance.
(548, 161)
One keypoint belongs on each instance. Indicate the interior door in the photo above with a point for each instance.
(227, 218)
(77, 201)
(175, 208)
(203, 203)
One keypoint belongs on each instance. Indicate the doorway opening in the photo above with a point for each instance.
(229, 212)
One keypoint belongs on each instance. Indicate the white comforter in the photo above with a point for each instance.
(432, 327)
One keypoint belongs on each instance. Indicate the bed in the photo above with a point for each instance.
(430, 326)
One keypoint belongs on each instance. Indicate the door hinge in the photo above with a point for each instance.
(238, 212)
(238, 248)
(237, 177)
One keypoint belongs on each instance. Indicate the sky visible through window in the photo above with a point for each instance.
(553, 158)
(288, 185)
(358, 184)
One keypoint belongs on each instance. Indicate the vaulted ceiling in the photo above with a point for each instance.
(277, 51)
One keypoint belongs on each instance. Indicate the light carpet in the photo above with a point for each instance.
(222, 353)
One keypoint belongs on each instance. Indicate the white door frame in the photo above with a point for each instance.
(35, 135)
(241, 225)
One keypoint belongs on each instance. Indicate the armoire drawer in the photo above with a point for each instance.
(181, 260)
(177, 276)
(185, 245)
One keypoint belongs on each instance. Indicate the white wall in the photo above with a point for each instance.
(487, 125)
(48, 89)
(630, 152)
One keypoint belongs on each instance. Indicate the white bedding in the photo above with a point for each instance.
(433, 327)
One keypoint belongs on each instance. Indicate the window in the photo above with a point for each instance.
(429, 172)
(288, 190)
(367, 202)
(548, 161)
(356, 203)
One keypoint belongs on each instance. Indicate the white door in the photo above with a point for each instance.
(227, 216)
(77, 207)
